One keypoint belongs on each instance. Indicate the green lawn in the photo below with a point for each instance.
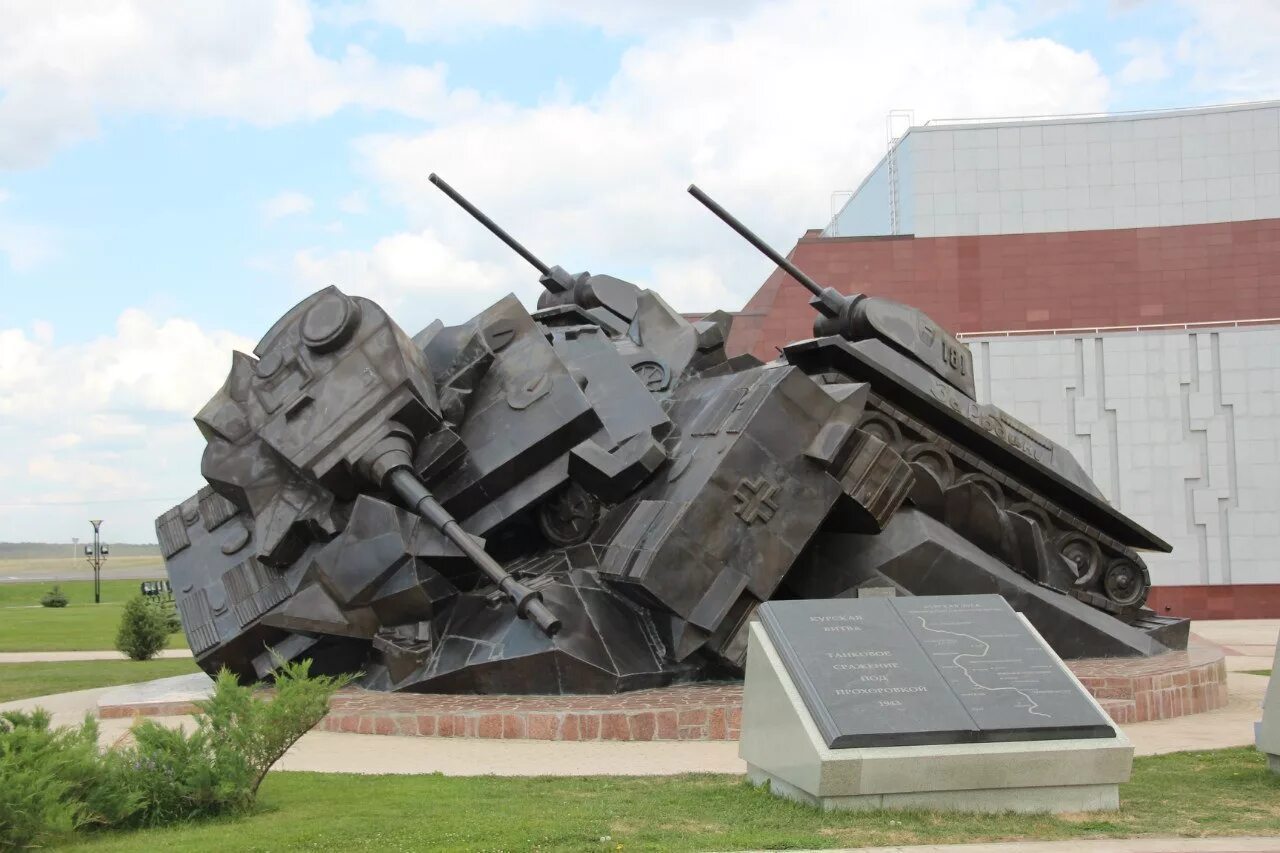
(1233, 794)
(80, 626)
(79, 592)
(23, 680)
(1265, 672)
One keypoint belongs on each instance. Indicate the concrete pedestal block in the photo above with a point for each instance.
(782, 746)
(1267, 732)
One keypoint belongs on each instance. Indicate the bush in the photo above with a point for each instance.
(143, 629)
(54, 597)
(217, 768)
(168, 612)
(54, 782)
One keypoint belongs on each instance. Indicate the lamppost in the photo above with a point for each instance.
(95, 554)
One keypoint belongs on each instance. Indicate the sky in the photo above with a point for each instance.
(174, 176)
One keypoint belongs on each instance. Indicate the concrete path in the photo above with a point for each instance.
(56, 657)
(352, 753)
(1107, 845)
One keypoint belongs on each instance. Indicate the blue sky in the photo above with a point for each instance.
(173, 178)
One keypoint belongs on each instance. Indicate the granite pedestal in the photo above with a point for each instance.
(1268, 731)
(786, 746)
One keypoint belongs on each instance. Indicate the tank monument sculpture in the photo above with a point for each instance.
(595, 497)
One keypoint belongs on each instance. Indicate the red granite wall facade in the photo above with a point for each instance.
(1235, 601)
(1070, 279)
(1226, 271)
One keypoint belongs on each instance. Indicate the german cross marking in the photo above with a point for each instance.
(755, 498)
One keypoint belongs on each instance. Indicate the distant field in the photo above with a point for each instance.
(81, 626)
(39, 550)
(116, 566)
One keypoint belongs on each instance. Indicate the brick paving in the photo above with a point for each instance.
(1160, 688)
(1172, 685)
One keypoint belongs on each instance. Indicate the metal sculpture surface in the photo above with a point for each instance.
(594, 497)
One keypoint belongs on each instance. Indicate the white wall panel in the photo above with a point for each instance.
(1180, 430)
(1122, 171)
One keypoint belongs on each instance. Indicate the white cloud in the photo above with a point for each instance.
(425, 20)
(250, 60)
(1230, 47)
(1146, 62)
(769, 111)
(415, 276)
(287, 203)
(103, 420)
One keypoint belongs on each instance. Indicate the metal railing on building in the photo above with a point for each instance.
(1099, 330)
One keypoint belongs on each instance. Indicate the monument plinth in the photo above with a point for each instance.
(942, 702)
(1268, 731)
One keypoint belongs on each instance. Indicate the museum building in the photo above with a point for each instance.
(1118, 280)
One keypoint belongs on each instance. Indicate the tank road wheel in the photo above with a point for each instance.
(1034, 514)
(935, 460)
(569, 517)
(1083, 556)
(934, 472)
(1125, 583)
(883, 428)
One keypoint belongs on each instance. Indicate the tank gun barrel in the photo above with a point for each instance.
(859, 317)
(820, 293)
(388, 464)
(494, 227)
(528, 603)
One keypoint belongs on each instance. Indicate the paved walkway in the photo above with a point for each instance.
(1108, 845)
(57, 657)
(352, 753)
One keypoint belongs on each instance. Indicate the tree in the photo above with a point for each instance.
(143, 629)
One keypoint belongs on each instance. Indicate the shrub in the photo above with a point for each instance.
(54, 597)
(54, 782)
(143, 630)
(168, 612)
(238, 737)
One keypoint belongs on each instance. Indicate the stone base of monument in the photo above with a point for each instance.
(784, 747)
(1267, 731)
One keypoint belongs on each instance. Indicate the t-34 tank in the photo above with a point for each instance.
(594, 497)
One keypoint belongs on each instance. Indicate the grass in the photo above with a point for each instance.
(1265, 672)
(1223, 792)
(24, 680)
(81, 626)
(28, 593)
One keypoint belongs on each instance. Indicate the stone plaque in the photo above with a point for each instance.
(927, 670)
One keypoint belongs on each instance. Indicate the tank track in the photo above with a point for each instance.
(1020, 526)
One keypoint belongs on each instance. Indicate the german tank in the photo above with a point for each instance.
(595, 496)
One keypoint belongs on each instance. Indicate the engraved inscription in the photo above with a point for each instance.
(956, 357)
(997, 423)
(953, 669)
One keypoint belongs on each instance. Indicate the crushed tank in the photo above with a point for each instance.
(594, 497)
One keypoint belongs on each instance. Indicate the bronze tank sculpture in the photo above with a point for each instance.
(594, 496)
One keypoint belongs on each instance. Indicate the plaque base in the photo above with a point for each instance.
(1267, 732)
(782, 745)
(1059, 798)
